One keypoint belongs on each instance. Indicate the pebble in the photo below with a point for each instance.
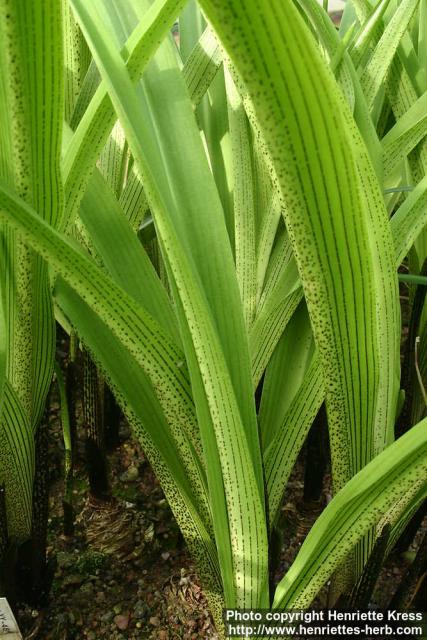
(122, 621)
(130, 475)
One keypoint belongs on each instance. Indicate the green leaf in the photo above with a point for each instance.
(137, 331)
(271, 215)
(285, 373)
(404, 136)
(31, 91)
(3, 348)
(96, 123)
(335, 216)
(282, 453)
(16, 464)
(243, 199)
(376, 70)
(210, 316)
(77, 60)
(396, 473)
(422, 37)
(409, 220)
(113, 161)
(123, 255)
(202, 65)
(347, 78)
(368, 32)
(278, 303)
(133, 200)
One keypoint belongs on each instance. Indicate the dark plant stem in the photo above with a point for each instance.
(71, 375)
(363, 591)
(95, 433)
(40, 510)
(420, 598)
(67, 502)
(408, 535)
(31, 564)
(4, 540)
(317, 457)
(413, 589)
(112, 415)
(68, 513)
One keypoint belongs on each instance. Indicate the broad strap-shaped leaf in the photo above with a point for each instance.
(133, 200)
(400, 519)
(198, 72)
(212, 116)
(422, 37)
(201, 66)
(16, 464)
(392, 475)
(280, 297)
(210, 316)
(409, 220)
(285, 446)
(137, 331)
(335, 215)
(330, 41)
(376, 70)
(243, 200)
(31, 91)
(192, 25)
(123, 255)
(98, 120)
(77, 60)
(88, 88)
(285, 373)
(130, 324)
(402, 95)
(347, 78)
(273, 317)
(405, 224)
(211, 113)
(368, 32)
(408, 55)
(404, 136)
(113, 161)
(268, 227)
(3, 347)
